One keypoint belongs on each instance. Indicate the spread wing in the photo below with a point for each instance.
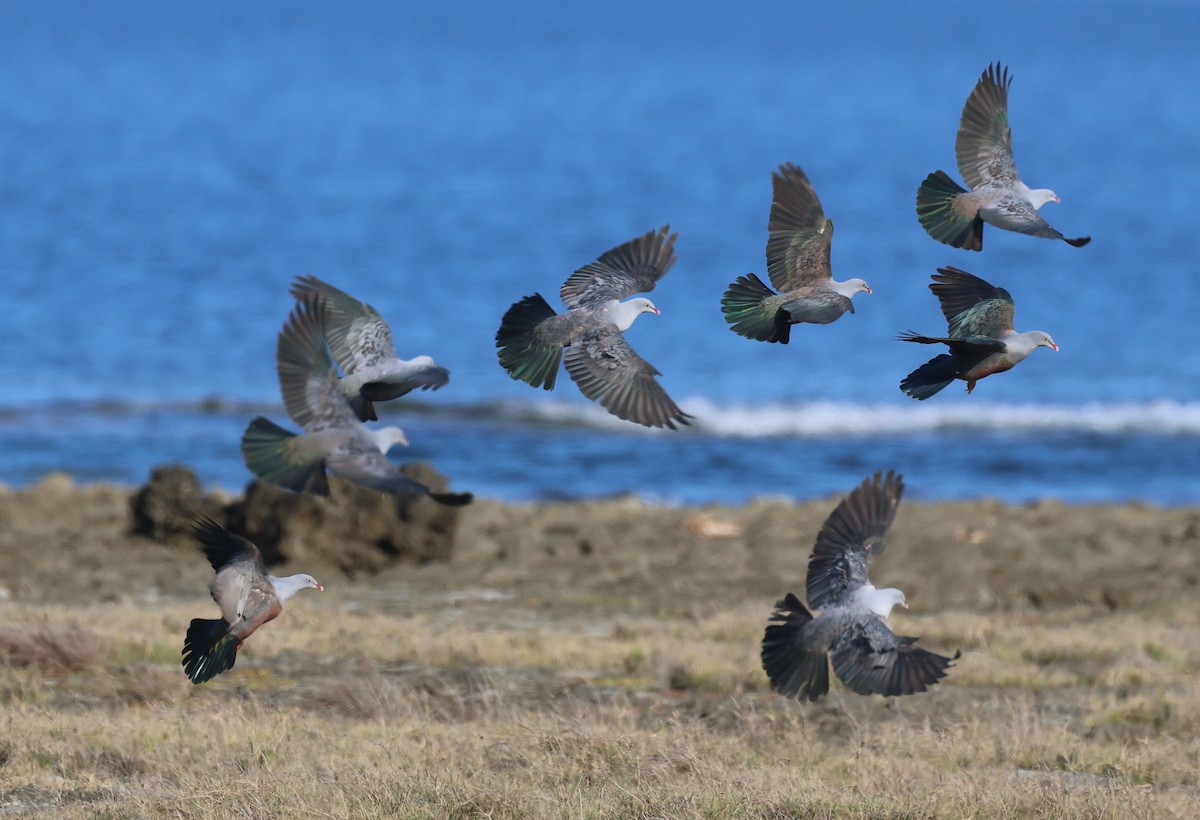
(365, 465)
(221, 547)
(972, 307)
(356, 334)
(607, 370)
(634, 267)
(983, 147)
(306, 376)
(872, 660)
(799, 234)
(850, 538)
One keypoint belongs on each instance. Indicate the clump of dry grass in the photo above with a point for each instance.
(56, 650)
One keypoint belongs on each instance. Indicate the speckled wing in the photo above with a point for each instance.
(972, 306)
(850, 538)
(1013, 213)
(798, 242)
(306, 376)
(983, 147)
(240, 588)
(872, 660)
(607, 370)
(357, 335)
(634, 267)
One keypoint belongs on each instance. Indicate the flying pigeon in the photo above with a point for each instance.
(980, 337)
(333, 437)
(532, 337)
(955, 216)
(247, 596)
(851, 623)
(362, 347)
(798, 243)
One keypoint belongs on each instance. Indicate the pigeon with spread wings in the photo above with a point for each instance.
(798, 248)
(333, 437)
(953, 215)
(247, 596)
(532, 338)
(980, 336)
(851, 624)
(362, 346)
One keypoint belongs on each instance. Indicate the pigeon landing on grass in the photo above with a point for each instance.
(851, 622)
(980, 336)
(798, 247)
(247, 596)
(333, 437)
(954, 215)
(362, 347)
(532, 338)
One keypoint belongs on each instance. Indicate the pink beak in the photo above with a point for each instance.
(904, 604)
(319, 587)
(867, 289)
(656, 311)
(1054, 346)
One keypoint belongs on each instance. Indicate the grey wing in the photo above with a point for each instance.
(243, 593)
(850, 538)
(819, 307)
(1013, 213)
(607, 370)
(972, 306)
(983, 147)
(307, 379)
(634, 267)
(798, 242)
(872, 660)
(357, 335)
(221, 547)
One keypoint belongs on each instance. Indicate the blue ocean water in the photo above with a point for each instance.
(166, 172)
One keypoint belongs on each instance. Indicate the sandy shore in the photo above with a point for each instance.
(68, 543)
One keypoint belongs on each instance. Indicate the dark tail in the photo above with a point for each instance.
(522, 354)
(364, 408)
(793, 671)
(270, 453)
(1077, 243)
(940, 218)
(930, 377)
(453, 499)
(208, 650)
(743, 307)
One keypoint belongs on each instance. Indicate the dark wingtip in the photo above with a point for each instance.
(1078, 243)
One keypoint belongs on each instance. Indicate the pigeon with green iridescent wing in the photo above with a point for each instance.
(798, 250)
(980, 335)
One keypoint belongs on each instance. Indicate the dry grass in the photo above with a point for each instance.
(336, 714)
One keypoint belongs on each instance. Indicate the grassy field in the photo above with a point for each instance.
(342, 709)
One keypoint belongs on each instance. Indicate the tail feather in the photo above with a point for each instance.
(453, 499)
(522, 354)
(940, 218)
(744, 309)
(364, 408)
(793, 670)
(930, 377)
(208, 650)
(268, 454)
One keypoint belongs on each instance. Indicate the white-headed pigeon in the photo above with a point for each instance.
(980, 336)
(362, 347)
(247, 596)
(333, 437)
(851, 621)
(532, 338)
(798, 246)
(954, 215)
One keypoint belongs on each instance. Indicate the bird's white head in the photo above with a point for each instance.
(850, 287)
(1040, 196)
(1044, 340)
(883, 600)
(287, 587)
(624, 313)
(312, 582)
(644, 305)
(388, 437)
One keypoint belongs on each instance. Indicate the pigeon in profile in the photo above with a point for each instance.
(361, 344)
(980, 336)
(955, 216)
(333, 437)
(247, 596)
(851, 622)
(532, 338)
(798, 243)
